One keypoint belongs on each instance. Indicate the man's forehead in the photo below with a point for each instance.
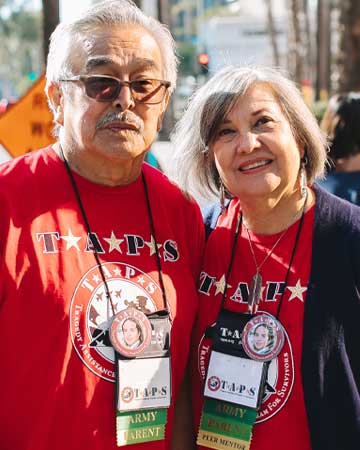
(106, 60)
(131, 46)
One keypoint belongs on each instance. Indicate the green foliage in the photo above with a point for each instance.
(318, 108)
(20, 35)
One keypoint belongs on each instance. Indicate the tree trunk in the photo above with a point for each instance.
(323, 50)
(169, 118)
(296, 46)
(309, 60)
(272, 33)
(50, 20)
(349, 52)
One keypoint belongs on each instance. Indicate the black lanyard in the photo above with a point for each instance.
(94, 243)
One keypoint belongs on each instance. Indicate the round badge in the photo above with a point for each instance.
(263, 338)
(130, 332)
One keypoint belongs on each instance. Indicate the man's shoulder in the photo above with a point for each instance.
(168, 190)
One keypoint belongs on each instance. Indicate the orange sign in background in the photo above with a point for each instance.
(27, 125)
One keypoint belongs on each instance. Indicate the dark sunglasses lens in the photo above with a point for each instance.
(147, 91)
(102, 89)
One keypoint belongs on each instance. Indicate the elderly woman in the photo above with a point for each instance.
(282, 252)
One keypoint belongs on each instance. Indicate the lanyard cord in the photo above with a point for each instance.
(94, 243)
(236, 235)
(158, 260)
(297, 237)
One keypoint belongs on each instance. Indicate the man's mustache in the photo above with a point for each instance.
(121, 117)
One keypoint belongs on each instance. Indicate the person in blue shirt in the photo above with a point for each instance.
(341, 124)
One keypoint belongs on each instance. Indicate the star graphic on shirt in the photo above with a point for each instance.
(152, 246)
(141, 280)
(114, 243)
(220, 285)
(71, 240)
(297, 291)
(117, 272)
(96, 278)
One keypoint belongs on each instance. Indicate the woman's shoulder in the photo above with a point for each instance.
(331, 209)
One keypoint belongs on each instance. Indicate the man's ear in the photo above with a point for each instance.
(56, 100)
(162, 113)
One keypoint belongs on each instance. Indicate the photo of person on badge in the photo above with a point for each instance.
(262, 339)
(132, 333)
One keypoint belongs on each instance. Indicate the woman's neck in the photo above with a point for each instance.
(273, 216)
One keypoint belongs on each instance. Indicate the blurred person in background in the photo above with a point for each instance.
(341, 123)
(281, 251)
(87, 229)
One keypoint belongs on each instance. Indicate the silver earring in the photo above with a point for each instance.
(222, 196)
(303, 178)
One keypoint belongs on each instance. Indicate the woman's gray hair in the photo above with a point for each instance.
(194, 167)
(65, 53)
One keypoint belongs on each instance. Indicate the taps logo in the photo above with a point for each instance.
(91, 313)
(214, 383)
(127, 394)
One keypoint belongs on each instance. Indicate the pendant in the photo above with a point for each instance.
(255, 292)
(263, 338)
(130, 332)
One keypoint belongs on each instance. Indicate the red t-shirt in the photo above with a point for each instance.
(281, 422)
(57, 366)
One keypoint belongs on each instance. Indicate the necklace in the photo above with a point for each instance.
(256, 281)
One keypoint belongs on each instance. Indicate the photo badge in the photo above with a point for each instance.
(130, 332)
(263, 338)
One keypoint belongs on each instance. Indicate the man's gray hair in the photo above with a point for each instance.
(65, 53)
(194, 166)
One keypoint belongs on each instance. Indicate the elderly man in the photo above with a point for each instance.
(86, 230)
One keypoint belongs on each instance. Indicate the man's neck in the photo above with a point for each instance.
(106, 172)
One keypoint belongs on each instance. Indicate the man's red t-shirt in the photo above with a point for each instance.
(57, 365)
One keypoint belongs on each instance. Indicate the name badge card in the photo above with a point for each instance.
(234, 384)
(234, 379)
(143, 384)
(143, 375)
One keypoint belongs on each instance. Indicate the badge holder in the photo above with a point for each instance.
(143, 375)
(234, 386)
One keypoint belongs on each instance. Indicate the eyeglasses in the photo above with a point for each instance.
(104, 88)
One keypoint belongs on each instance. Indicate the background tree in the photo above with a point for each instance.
(169, 118)
(272, 32)
(50, 20)
(20, 34)
(323, 62)
(348, 59)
